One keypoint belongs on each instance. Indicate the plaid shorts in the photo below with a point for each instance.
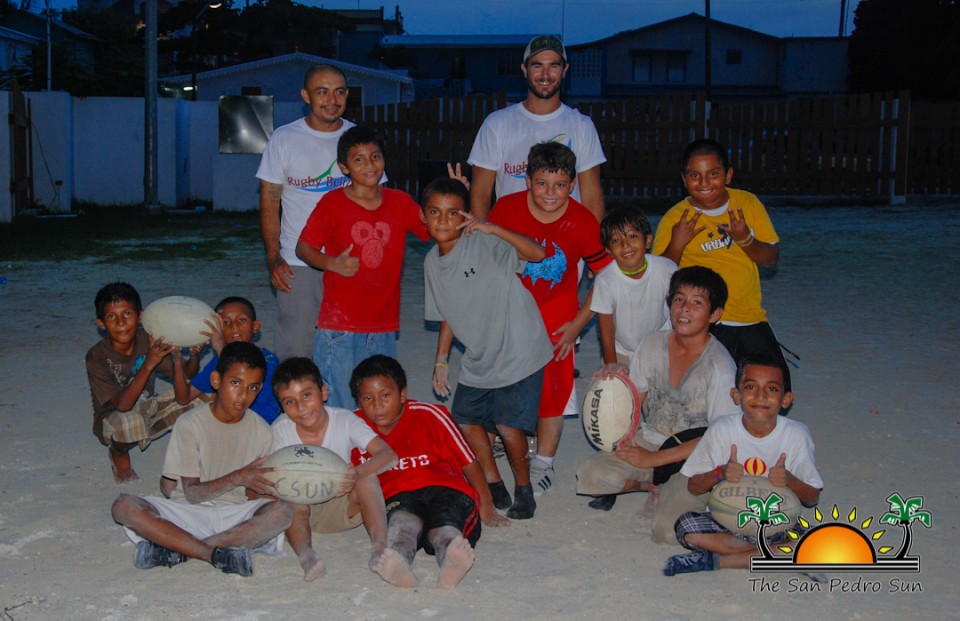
(149, 419)
(701, 523)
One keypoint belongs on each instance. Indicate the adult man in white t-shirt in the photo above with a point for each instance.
(298, 167)
(499, 153)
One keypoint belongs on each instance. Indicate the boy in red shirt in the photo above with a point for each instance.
(357, 235)
(569, 233)
(436, 495)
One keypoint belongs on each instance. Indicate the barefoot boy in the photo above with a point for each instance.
(305, 420)
(783, 445)
(122, 370)
(223, 506)
(683, 378)
(436, 495)
(471, 285)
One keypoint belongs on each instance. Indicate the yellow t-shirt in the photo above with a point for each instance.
(715, 249)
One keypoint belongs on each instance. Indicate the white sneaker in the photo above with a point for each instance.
(541, 476)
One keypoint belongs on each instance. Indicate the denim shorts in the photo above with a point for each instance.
(515, 405)
(338, 353)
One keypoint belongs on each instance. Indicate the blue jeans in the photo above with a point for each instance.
(338, 353)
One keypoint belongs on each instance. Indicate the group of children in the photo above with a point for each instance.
(506, 289)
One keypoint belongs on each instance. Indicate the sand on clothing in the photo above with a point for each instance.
(867, 297)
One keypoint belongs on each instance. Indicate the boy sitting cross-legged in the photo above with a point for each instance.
(122, 370)
(683, 378)
(784, 446)
(306, 420)
(223, 506)
(471, 285)
(436, 494)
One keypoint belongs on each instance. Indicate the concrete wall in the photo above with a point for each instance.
(91, 149)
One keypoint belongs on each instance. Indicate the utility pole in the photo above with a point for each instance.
(49, 50)
(708, 55)
(843, 18)
(150, 157)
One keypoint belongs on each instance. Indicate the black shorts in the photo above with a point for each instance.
(754, 338)
(438, 506)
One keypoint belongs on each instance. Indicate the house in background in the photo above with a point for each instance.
(282, 76)
(358, 47)
(15, 47)
(458, 65)
(669, 57)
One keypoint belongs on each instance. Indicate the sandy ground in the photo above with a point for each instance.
(867, 297)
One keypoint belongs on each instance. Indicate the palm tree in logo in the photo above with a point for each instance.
(766, 513)
(904, 513)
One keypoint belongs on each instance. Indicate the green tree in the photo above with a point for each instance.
(903, 513)
(766, 513)
(911, 44)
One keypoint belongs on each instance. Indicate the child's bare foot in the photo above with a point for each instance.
(457, 562)
(394, 569)
(650, 506)
(313, 567)
(122, 470)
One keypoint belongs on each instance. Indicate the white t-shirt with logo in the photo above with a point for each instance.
(304, 161)
(505, 138)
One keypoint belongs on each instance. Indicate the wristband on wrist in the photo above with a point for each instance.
(439, 364)
(717, 474)
(749, 241)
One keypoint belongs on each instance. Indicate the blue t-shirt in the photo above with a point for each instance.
(266, 405)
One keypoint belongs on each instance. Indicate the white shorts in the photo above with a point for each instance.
(205, 519)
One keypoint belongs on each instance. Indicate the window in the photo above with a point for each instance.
(249, 91)
(642, 68)
(734, 56)
(676, 67)
(586, 63)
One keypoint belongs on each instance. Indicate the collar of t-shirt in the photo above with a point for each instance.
(719, 211)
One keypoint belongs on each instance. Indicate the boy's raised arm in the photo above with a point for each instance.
(342, 264)
(527, 249)
(382, 458)
(759, 252)
(127, 398)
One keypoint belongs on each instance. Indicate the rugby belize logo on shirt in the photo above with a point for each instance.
(320, 184)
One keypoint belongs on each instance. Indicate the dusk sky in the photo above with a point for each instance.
(580, 21)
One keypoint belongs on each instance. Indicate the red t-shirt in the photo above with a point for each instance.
(369, 301)
(431, 449)
(575, 236)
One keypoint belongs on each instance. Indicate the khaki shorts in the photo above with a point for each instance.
(331, 516)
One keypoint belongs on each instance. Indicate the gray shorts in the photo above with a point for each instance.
(297, 313)
(515, 405)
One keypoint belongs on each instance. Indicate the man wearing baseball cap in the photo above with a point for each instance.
(499, 154)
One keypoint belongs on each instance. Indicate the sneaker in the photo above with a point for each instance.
(603, 503)
(500, 495)
(233, 560)
(523, 503)
(689, 563)
(150, 555)
(498, 449)
(541, 476)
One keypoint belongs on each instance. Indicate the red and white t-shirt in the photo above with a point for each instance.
(431, 449)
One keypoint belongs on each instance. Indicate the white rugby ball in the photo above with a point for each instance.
(306, 475)
(728, 500)
(611, 412)
(177, 319)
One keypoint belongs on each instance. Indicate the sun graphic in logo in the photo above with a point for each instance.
(839, 546)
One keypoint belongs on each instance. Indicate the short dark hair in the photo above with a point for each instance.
(295, 370)
(618, 219)
(236, 299)
(699, 277)
(760, 359)
(445, 186)
(241, 353)
(704, 146)
(377, 366)
(551, 157)
(116, 292)
(322, 68)
(356, 136)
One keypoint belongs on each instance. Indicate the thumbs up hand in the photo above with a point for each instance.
(733, 471)
(344, 264)
(778, 474)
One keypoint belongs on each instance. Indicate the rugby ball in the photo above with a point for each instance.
(728, 499)
(177, 319)
(305, 475)
(611, 412)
